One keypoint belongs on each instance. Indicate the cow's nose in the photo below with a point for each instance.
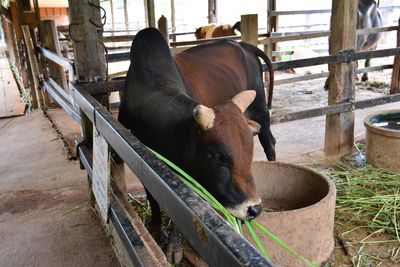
(254, 211)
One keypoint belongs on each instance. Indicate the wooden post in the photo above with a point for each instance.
(37, 94)
(126, 16)
(87, 33)
(173, 20)
(249, 28)
(49, 39)
(339, 128)
(212, 11)
(272, 26)
(163, 27)
(149, 12)
(395, 84)
(112, 17)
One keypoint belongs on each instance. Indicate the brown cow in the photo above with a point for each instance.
(214, 30)
(201, 110)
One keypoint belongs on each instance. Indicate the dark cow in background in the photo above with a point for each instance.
(214, 30)
(200, 110)
(368, 17)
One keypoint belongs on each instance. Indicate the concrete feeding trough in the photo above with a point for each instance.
(383, 140)
(299, 208)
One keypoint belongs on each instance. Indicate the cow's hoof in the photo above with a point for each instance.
(174, 252)
(364, 78)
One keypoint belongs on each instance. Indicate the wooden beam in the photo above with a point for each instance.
(212, 11)
(395, 83)
(173, 20)
(339, 128)
(49, 39)
(149, 12)
(87, 33)
(249, 28)
(272, 26)
(126, 16)
(112, 16)
(163, 27)
(37, 94)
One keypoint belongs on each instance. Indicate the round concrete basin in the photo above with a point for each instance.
(299, 208)
(383, 140)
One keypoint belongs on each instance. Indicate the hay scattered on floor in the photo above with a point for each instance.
(367, 211)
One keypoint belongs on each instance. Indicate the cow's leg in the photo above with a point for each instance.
(364, 78)
(174, 251)
(267, 140)
(154, 226)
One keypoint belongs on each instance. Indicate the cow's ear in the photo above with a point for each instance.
(254, 126)
(204, 117)
(244, 99)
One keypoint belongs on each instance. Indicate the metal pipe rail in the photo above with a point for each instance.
(64, 103)
(204, 228)
(62, 61)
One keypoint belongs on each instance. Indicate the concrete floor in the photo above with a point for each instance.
(297, 141)
(45, 219)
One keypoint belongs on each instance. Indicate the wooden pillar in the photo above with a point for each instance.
(249, 28)
(173, 20)
(37, 94)
(49, 39)
(126, 16)
(212, 11)
(395, 84)
(112, 16)
(87, 34)
(150, 14)
(272, 26)
(339, 128)
(163, 27)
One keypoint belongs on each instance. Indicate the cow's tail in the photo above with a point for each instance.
(268, 62)
(236, 26)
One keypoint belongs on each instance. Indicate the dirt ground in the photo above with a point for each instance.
(45, 219)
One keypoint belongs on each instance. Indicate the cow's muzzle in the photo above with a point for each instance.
(247, 210)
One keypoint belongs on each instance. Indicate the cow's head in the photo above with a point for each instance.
(225, 154)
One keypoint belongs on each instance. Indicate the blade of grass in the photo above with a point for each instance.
(257, 240)
(283, 245)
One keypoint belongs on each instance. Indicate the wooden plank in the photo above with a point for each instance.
(339, 129)
(11, 104)
(249, 28)
(395, 83)
(50, 41)
(37, 94)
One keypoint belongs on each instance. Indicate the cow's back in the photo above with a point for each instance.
(216, 72)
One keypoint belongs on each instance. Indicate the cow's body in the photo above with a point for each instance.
(187, 113)
(214, 30)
